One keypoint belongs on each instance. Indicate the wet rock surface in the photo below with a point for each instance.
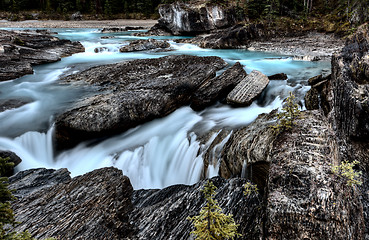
(93, 206)
(132, 93)
(144, 45)
(248, 89)
(249, 147)
(20, 50)
(278, 76)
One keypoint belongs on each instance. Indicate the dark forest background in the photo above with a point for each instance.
(253, 9)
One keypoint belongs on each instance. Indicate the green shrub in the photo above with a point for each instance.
(212, 223)
(250, 188)
(289, 114)
(345, 170)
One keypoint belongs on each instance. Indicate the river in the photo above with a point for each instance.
(157, 154)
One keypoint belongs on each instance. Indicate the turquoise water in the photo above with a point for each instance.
(153, 155)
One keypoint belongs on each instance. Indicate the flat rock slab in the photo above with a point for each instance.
(248, 89)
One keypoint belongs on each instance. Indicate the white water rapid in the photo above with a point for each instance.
(157, 154)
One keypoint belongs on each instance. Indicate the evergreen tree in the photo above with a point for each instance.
(6, 213)
(212, 223)
(289, 114)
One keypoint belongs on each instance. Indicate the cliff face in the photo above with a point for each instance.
(350, 86)
(191, 19)
(305, 199)
(344, 98)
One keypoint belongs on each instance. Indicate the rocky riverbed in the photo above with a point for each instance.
(299, 197)
(19, 51)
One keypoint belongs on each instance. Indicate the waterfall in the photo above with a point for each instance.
(34, 148)
(157, 154)
(215, 154)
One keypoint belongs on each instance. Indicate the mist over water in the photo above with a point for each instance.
(157, 154)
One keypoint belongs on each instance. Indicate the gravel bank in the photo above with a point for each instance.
(77, 24)
(310, 47)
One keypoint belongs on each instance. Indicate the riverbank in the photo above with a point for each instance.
(77, 24)
(312, 46)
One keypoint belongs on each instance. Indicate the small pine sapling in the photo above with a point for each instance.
(250, 188)
(289, 114)
(345, 170)
(212, 223)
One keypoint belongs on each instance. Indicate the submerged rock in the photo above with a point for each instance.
(132, 93)
(93, 206)
(143, 45)
(12, 158)
(248, 89)
(20, 50)
(121, 29)
(8, 104)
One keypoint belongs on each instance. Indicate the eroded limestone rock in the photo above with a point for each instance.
(248, 89)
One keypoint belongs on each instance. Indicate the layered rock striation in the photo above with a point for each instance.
(93, 206)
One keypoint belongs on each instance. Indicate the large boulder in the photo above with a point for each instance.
(218, 88)
(192, 19)
(132, 93)
(102, 205)
(248, 89)
(93, 206)
(20, 50)
(249, 148)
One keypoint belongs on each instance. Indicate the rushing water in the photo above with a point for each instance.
(156, 154)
